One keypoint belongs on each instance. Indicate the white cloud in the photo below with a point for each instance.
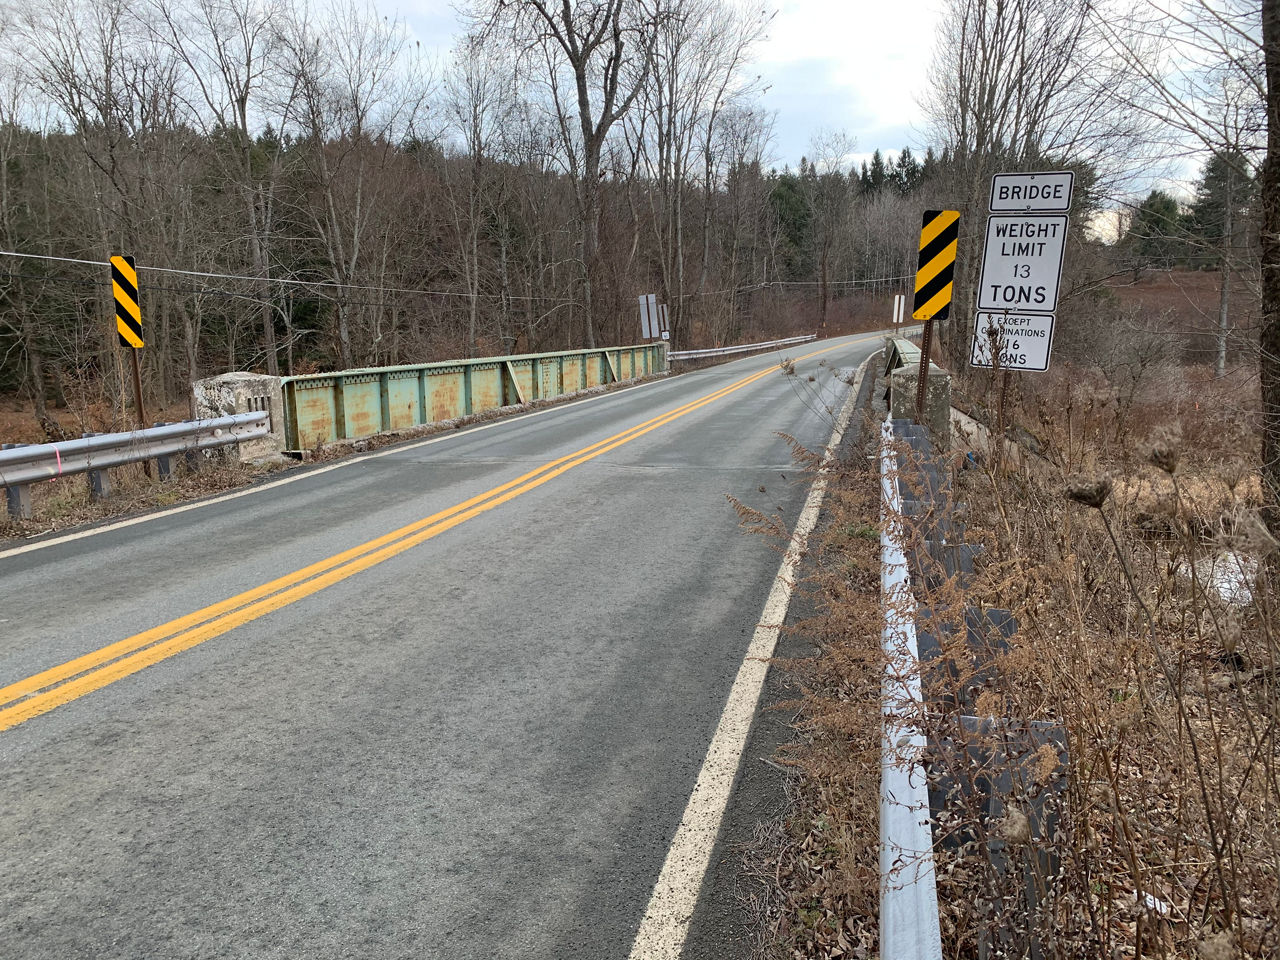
(857, 66)
(853, 65)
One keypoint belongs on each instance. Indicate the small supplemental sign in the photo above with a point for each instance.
(1023, 340)
(1032, 192)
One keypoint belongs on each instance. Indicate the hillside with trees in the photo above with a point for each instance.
(302, 192)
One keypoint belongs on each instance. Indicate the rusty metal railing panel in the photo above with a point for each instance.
(445, 394)
(361, 405)
(350, 404)
(400, 400)
(523, 370)
(486, 387)
(311, 413)
(570, 374)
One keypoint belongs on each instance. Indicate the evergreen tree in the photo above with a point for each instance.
(906, 173)
(1224, 196)
(1157, 234)
(1219, 228)
(878, 175)
(929, 169)
(795, 221)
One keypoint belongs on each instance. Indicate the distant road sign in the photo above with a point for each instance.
(648, 315)
(1032, 192)
(1023, 340)
(936, 264)
(1022, 263)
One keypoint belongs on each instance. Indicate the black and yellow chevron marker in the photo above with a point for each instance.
(124, 283)
(936, 267)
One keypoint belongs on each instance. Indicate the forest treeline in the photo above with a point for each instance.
(301, 190)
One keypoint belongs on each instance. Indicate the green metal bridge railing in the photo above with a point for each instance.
(349, 404)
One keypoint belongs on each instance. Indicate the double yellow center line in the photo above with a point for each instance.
(69, 681)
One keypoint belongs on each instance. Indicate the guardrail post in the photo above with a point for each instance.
(164, 466)
(99, 480)
(18, 501)
(17, 498)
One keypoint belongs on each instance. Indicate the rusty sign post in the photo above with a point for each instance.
(939, 234)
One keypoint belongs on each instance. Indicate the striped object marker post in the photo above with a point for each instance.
(124, 284)
(935, 270)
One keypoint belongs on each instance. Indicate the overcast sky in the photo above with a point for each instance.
(850, 65)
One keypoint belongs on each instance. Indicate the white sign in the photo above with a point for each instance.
(1032, 192)
(1023, 340)
(1022, 263)
(899, 307)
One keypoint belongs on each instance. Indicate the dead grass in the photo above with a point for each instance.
(66, 502)
(19, 424)
(1168, 695)
(822, 862)
(1158, 838)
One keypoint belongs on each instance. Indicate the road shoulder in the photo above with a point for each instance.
(730, 919)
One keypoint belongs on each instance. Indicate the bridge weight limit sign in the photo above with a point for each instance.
(1021, 270)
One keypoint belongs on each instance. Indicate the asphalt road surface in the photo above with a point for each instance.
(447, 701)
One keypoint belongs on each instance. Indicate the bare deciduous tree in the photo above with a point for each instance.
(1017, 85)
(1209, 78)
(596, 56)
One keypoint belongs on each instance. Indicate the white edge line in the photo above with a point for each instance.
(665, 925)
(308, 474)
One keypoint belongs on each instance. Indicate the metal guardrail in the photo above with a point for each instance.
(909, 922)
(22, 466)
(979, 765)
(744, 348)
(350, 404)
(900, 352)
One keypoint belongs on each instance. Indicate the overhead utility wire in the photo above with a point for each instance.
(328, 284)
(163, 288)
(766, 284)
(310, 284)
